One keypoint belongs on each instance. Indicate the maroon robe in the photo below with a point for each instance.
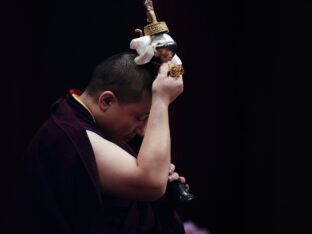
(59, 190)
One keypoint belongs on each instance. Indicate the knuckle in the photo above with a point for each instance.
(182, 179)
(180, 86)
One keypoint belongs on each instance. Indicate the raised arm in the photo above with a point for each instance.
(144, 177)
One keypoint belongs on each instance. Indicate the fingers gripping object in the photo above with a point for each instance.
(155, 44)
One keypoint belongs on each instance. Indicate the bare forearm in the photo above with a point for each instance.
(154, 154)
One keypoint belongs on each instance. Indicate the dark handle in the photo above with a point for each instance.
(177, 193)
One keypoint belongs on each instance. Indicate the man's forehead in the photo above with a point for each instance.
(141, 108)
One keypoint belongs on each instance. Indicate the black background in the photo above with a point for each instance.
(239, 127)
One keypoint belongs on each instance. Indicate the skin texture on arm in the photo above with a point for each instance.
(119, 171)
(144, 177)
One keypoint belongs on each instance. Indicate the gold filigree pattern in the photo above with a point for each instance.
(175, 71)
(156, 28)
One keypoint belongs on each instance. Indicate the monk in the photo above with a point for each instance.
(79, 175)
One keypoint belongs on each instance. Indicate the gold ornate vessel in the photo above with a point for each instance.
(154, 27)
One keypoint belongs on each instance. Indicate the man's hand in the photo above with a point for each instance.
(175, 176)
(166, 88)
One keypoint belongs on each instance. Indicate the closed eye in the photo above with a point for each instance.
(143, 117)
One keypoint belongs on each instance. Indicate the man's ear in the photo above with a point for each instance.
(106, 99)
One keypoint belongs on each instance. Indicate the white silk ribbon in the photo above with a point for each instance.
(145, 46)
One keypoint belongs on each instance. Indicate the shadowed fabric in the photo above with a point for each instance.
(59, 189)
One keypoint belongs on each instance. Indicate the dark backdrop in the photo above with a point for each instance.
(238, 129)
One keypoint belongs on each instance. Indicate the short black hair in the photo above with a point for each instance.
(121, 75)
